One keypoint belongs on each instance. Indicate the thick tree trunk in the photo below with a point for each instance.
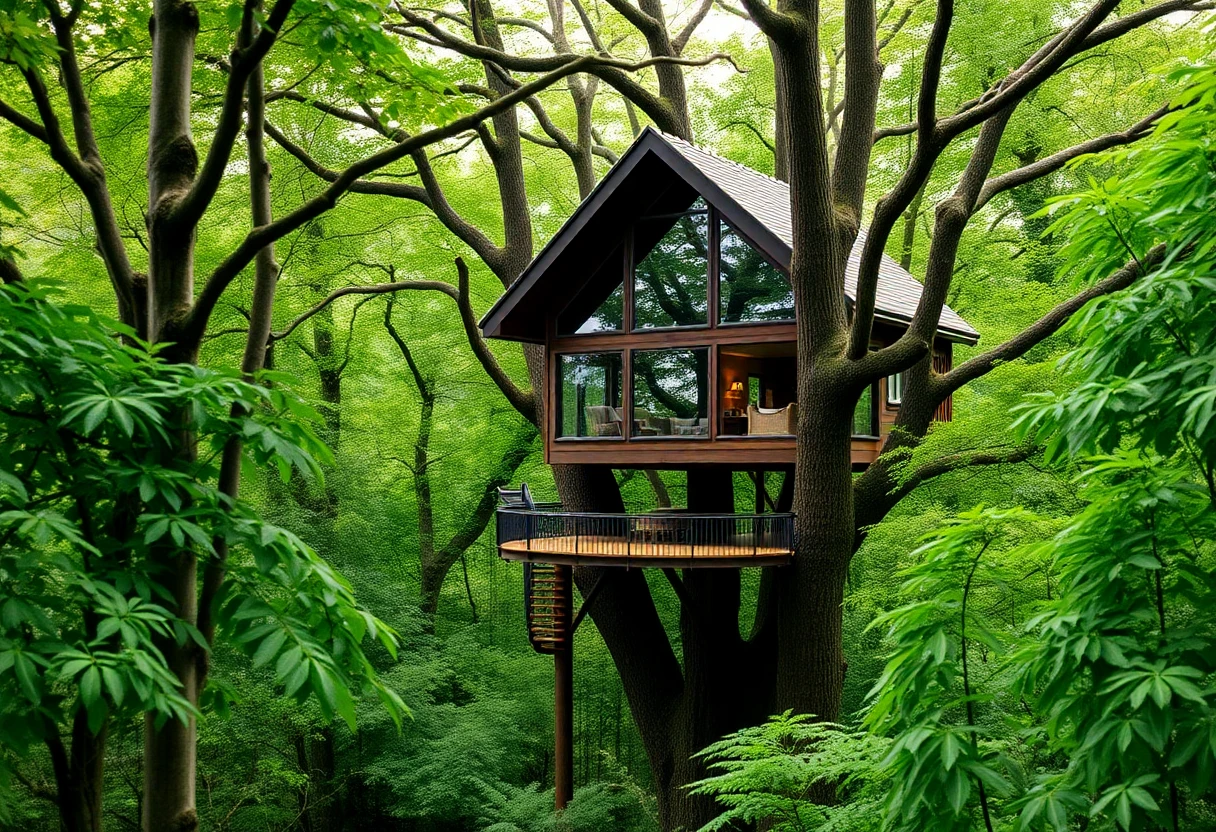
(810, 662)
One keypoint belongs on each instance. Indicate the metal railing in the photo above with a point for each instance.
(535, 534)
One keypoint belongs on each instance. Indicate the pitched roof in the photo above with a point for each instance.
(757, 204)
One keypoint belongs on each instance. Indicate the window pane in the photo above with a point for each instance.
(671, 393)
(671, 276)
(589, 311)
(895, 388)
(750, 289)
(864, 415)
(589, 395)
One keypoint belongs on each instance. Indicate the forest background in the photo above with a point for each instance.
(421, 437)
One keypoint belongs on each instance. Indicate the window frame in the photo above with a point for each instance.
(716, 256)
(711, 369)
(711, 265)
(558, 385)
(895, 401)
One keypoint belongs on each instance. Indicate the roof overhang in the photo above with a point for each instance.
(650, 167)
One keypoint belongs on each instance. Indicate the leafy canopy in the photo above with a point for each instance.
(94, 498)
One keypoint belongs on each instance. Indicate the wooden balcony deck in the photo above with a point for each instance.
(668, 540)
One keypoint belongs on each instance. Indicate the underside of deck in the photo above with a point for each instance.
(602, 550)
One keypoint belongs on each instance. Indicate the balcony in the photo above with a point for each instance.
(672, 539)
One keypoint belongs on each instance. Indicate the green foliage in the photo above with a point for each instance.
(769, 772)
(601, 807)
(95, 499)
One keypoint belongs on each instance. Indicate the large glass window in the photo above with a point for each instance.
(671, 270)
(865, 414)
(589, 395)
(587, 313)
(750, 288)
(671, 393)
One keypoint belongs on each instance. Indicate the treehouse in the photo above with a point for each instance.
(667, 319)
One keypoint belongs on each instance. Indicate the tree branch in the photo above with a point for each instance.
(1052, 163)
(775, 24)
(372, 289)
(227, 271)
(856, 139)
(957, 462)
(429, 194)
(681, 40)
(23, 122)
(243, 61)
(610, 70)
(524, 402)
(1045, 326)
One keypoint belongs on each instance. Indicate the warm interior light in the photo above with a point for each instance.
(736, 387)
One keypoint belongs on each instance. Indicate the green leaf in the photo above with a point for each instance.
(27, 678)
(269, 647)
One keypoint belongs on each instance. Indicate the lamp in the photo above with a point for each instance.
(736, 388)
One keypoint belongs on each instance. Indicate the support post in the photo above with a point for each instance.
(563, 695)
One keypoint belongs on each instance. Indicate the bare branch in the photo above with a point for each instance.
(609, 69)
(227, 271)
(429, 194)
(1117, 28)
(1046, 326)
(89, 177)
(898, 130)
(23, 122)
(755, 131)
(776, 24)
(856, 138)
(372, 289)
(642, 21)
(1037, 69)
(524, 402)
(681, 40)
(957, 462)
(1052, 163)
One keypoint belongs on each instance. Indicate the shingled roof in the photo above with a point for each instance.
(757, 204)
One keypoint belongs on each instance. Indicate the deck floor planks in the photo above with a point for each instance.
(640, 552)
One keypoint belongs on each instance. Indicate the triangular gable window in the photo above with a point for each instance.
(671, 269)
(751, 289)
(609, 315)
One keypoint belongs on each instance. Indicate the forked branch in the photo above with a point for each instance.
(1045, 326)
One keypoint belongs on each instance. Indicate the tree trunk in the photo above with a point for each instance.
(79, 776)
(169, 751)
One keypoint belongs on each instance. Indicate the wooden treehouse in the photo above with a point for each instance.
(667, 318)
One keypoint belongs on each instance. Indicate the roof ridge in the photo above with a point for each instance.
(720, 157)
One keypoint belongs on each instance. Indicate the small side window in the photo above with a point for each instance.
(895, 389)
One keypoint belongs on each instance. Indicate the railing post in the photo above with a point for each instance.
(628, 540)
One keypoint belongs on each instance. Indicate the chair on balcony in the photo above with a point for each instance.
(769, 421)
(521, 498)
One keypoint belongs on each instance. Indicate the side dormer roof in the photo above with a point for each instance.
(756, 204)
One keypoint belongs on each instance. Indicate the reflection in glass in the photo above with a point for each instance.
(583, 316)
(671, 393)
(671, 280)
(865, 417)
(589, 395)
(750, 288)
